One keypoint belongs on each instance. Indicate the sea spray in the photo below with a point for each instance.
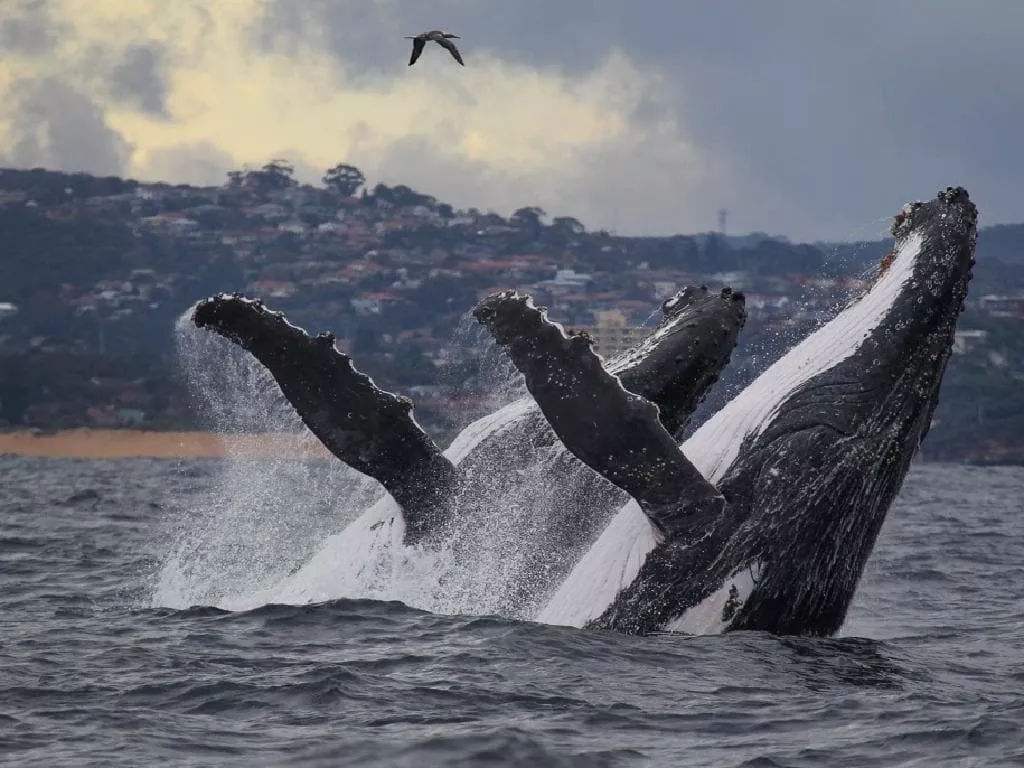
(298, 530)
(477, 376)
(263, 517)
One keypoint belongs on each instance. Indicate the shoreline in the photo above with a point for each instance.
(143, 444)
(87, 443)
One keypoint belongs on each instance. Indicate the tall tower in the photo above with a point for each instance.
(723, 214)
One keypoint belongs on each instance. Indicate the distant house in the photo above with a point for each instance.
(740, 281)
(1002, 306)
(172, 223)
(404, 282)
(332, 228)
(612, 333)
(765, 301)
(366, 306)
(570, 278)
(148, 193)
(493, 230)
(270, 212)
(968, 339)
(424, 212)
(294, 226)
(373, 303)
(275, 289)
(437, 272)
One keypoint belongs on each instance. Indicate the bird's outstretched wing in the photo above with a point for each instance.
(454, 51)
(417, 49)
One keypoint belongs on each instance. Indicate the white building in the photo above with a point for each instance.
(612, 333)
(570, 278)
(966, 340)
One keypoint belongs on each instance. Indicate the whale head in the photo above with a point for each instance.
(811, 455)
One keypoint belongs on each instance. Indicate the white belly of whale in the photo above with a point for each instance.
(618, 554)
(713, 615)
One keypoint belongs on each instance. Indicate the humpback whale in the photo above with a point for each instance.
(376, 433)
(763, 519)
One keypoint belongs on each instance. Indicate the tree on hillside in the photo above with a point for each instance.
(528, 222)
(277, 174)
(344, 179)
(528, 217)
(568, 225)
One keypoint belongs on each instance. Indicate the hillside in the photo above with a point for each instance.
(95, 271)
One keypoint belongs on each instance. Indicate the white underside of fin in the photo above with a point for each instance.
(710, 617)
(614, 560)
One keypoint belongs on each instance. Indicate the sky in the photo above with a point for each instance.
(815, 119)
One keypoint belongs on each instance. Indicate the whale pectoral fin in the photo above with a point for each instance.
(369, 429)
(612, 430)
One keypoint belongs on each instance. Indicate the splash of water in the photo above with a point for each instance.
(478, 378)
(294, 529)
(262, 518)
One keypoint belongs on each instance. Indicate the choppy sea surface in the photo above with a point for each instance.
(928, 670)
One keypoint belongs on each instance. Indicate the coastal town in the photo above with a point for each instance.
(97, 271)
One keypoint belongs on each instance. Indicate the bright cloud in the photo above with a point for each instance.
(494, 134)
(812, 119)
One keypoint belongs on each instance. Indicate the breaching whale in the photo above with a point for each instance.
(763, 519)
(375, 432)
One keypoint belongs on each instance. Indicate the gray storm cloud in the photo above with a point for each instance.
(27, 26)
(828, 114)
(139, 78)
(55, 126)
(810, 119)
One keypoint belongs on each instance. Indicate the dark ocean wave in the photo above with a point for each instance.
(928, 670)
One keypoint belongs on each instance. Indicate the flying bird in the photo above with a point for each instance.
(443, 39)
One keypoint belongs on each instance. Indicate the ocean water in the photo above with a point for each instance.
(928, 670)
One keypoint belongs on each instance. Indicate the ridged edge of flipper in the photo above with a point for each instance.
(615, 432)
(371, 430)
